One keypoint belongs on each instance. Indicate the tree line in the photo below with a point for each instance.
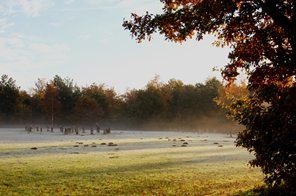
(172, 105)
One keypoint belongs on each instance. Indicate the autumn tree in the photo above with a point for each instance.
(262, 38)
(87, 110)
(51, 105)
(96, 104)
(230, 94)
(54, 100)
(38, 101)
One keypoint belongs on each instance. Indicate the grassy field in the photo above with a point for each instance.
(142, 164)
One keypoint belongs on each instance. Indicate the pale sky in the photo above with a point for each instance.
(84, 40)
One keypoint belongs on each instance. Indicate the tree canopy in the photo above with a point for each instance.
(262, 38)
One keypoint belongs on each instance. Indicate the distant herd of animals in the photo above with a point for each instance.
(69, 130)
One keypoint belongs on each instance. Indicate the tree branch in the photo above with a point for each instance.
(279, 18)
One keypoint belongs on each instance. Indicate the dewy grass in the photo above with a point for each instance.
(120, 170)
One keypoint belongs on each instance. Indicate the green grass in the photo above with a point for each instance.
(192, 170)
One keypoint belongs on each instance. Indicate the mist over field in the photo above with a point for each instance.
(173, 105)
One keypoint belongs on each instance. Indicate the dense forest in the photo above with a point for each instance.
(159, 106)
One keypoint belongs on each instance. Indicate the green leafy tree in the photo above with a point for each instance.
(142, 106)
(208, 92)
(114, 105)
(262, 36)
(24, 108)
(171, 105)
(193, 105)
(67, 95)
(9, 94)
(170, 92)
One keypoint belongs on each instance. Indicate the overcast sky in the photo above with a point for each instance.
(84, 40)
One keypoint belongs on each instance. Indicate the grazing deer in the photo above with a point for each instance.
(62, 129)
(28, 129)
(98, 128)
(76, 130)
(67, 131)
(107, 131)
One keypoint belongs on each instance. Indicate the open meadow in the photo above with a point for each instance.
(123, 163)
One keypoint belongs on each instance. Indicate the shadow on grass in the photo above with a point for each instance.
(265, 191)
